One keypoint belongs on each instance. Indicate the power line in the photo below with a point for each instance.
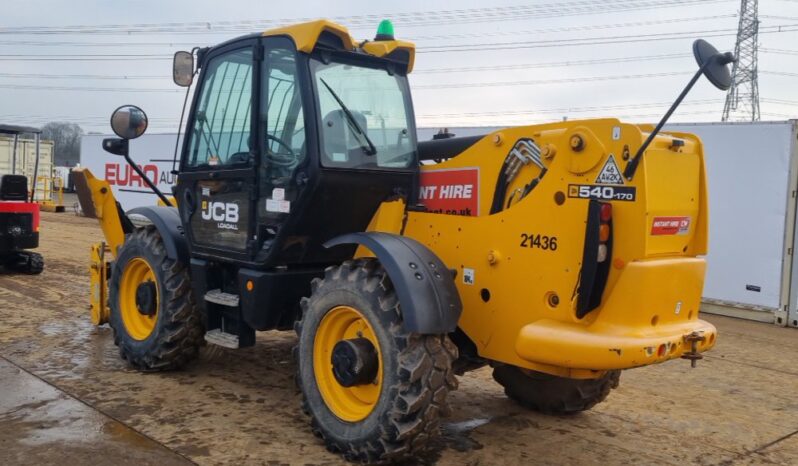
(780, 101)
(552, 81)
(83, 58)
(406, 19)
(82, 88)
(598, 40)
(778, 51)
(598, 61)
(526, 121)
(436, 37)
(568, 109)
(565, 42)
(79, 76)
(421, 87)
(779, 73)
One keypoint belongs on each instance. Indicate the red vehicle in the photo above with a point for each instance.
(19, 215)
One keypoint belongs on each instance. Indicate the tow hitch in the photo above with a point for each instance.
(693, 355)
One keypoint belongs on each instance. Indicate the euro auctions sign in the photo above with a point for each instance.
(152, 153)
(450, 191)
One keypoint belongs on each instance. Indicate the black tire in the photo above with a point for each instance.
(27, 262)
(417, 370)
(35, 264)
(550, 394)
(178, 331)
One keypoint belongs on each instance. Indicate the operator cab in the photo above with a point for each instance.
(293, 138)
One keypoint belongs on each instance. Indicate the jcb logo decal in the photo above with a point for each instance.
(220, 211)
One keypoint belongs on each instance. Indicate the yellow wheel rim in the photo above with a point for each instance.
(138, 325)
(350, 404)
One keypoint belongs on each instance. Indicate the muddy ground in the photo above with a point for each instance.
(66, 397)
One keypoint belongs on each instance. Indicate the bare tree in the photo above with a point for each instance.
(66, 137)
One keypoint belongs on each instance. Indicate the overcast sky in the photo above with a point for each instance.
(478, 63)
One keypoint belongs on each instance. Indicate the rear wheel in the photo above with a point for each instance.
(551, 394)
(155, 321)
(374, 392)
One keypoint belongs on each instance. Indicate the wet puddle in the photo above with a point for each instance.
(37, 421)
(457, 435)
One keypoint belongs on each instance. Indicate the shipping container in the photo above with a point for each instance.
(26, 161)
(753, 177)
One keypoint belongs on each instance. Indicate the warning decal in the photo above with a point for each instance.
(670, 226)
(452, 191)
(610, 174)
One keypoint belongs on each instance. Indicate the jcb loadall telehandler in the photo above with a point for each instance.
(559, 254)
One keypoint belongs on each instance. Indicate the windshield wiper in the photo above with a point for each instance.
(371, 149)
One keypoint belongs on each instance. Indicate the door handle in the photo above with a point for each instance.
(189, 201)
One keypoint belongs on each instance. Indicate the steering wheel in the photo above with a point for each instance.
(288, 160)
(282, 143)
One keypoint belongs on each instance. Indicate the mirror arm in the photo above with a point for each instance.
(146, 179)
(631, 167)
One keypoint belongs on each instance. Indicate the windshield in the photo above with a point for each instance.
(365, 116)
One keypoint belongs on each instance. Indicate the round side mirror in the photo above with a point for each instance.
(713, 63)
(129, 122)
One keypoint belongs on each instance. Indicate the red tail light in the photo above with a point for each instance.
(606, 212)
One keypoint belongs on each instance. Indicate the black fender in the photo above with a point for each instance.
(167, 221)
(424, 285)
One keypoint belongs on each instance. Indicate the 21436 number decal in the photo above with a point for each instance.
(602, 192)
(547, 243)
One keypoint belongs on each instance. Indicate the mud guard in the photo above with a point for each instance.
(424, 285)
(167, 221)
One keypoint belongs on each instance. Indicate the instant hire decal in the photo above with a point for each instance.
(450, 191)
(670, 226)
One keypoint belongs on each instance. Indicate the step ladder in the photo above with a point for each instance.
(218, 336)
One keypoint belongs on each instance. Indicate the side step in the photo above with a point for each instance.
(220, 297)
(218, 337)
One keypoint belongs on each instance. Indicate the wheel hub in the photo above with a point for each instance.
(146, 298)
(354, 362)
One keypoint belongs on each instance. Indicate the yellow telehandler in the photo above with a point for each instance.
(558, 254)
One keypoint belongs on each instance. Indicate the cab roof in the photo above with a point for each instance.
(327, 34)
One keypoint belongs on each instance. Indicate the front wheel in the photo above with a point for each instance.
(374, 392)
(551, 394)
(155, 321)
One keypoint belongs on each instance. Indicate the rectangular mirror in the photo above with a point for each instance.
(183, 68)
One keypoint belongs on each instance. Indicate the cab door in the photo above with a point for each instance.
(216, 189)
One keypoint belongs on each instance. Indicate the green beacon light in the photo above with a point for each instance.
(385, 30)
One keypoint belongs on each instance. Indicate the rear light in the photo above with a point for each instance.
(605, 217)
(604, 233)
(596, 257)
(606, 212)
(602, 252)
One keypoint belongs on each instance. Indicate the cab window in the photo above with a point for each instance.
(365, 116)
(282, 114)
(221, 133)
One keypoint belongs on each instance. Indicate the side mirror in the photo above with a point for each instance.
(183, 68)
(129, 122)
(713, 64)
